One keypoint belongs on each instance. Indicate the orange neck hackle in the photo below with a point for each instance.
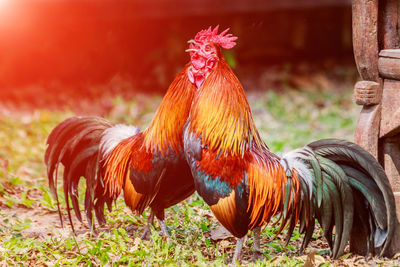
(163, 135)
(165, 131)
(221, 114)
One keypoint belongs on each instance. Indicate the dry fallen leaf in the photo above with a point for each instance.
(310, 260)
(220, 233)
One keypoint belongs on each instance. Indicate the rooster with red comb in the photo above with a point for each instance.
(246, 185)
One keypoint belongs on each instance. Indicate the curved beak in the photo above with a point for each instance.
(191, 50)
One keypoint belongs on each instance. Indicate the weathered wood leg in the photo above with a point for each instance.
(390, 136)
(366, 136)
(380, 116)
(391, 151)
(367, 129)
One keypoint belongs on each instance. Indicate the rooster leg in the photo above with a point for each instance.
(147, 232)
(238, 249)
(256, 244)
(164, 228)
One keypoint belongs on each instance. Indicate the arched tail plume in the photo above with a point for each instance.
(344, 187)
(80, 144)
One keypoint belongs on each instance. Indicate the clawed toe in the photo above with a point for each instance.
(146, 233)
(258, 256)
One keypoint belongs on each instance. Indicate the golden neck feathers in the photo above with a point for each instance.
(221, 114)
(165, 130)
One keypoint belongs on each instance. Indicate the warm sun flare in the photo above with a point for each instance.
(3, 4)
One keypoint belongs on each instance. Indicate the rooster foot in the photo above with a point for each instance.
(258, 256)
(238, 250)
(164, 231)
(146, 233)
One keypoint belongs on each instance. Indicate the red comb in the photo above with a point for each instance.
(225, 41)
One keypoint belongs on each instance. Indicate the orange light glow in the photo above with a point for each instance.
(3, 4)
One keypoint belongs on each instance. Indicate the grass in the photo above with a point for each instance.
(30, 231)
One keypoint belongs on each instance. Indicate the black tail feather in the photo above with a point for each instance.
(75, 143)
(350, 190)
(376, 186)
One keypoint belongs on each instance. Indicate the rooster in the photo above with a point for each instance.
(246, 185)
(149, 166)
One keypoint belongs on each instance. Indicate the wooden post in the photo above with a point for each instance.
(377, 96)
(365, 39)
(367, 92)
(388, 30)
(391, 151)
(389, 68)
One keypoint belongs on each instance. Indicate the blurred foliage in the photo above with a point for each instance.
(230, 58)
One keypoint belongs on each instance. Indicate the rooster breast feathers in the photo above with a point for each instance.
(228, 184)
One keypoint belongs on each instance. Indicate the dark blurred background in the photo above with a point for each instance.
(53, 48)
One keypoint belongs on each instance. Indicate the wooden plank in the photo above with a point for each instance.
(154, 9)
(206, 6)
(398, 18)
(392, 53)
(366, 136)
(127, 10)
(395, 243)
(391, 150)
(166, 9)
(390, 122)
(388, 30)
(365, 39)
(367, 129)
(389, 68)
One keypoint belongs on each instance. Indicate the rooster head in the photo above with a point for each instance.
(205, 52)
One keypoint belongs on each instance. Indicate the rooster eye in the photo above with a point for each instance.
(208, 48)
